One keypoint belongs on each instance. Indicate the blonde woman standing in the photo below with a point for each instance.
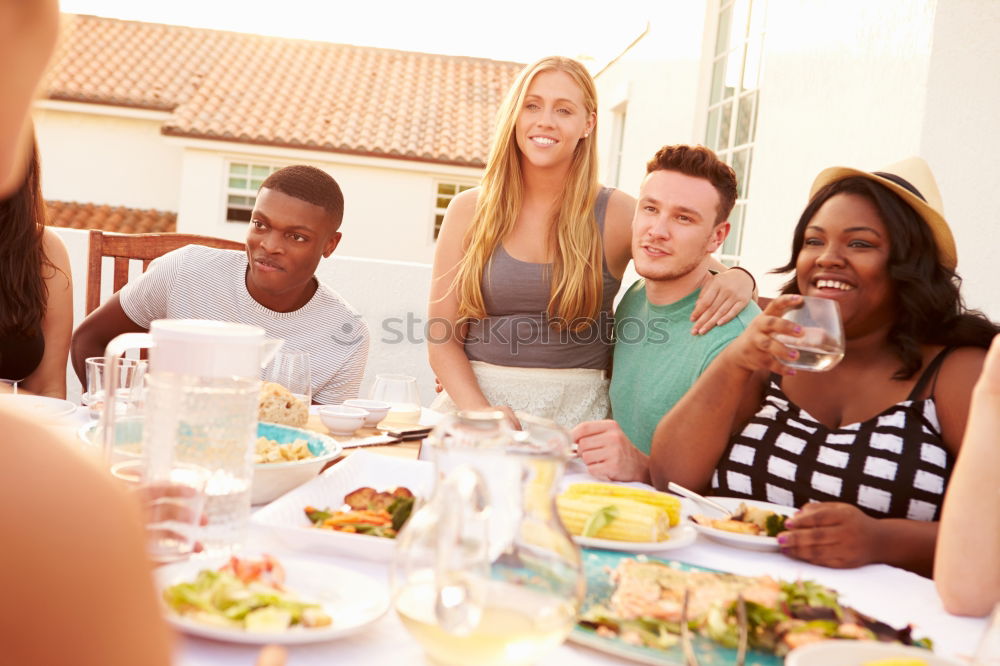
(520, 313)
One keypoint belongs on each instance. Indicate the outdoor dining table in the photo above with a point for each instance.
(892, 595)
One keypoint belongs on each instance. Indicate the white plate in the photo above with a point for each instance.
(285, 518)
(732, 538)
(680, 536)
(353, 601)
(857, 653)
(39, 405)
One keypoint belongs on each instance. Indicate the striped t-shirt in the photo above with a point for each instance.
(197, 282)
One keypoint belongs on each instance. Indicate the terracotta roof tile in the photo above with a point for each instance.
(285, 92)
(109, 218)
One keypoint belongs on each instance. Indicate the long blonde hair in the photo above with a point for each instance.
(576, 293)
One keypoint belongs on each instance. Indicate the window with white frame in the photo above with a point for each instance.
(244, 179)
(617, 144)
(733, 100)
(446, 191)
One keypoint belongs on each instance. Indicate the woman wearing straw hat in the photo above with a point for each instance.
(865, 450)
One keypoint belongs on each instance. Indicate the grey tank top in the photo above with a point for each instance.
(516, 330)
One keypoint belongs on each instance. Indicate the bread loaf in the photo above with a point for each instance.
(278, 405)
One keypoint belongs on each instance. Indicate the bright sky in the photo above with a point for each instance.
(519, 30)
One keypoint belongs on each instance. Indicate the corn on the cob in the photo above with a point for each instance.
(634, 521)
(668, 503)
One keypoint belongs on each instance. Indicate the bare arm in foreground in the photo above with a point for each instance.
(77, 582)
(966, 570)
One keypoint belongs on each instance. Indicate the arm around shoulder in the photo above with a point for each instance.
(618, 232)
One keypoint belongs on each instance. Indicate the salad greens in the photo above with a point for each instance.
(243, 594)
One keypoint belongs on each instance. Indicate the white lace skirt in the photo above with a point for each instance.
(567, 396)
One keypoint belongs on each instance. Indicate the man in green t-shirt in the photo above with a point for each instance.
(680, 219)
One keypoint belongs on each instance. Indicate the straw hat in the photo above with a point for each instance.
(913, 181)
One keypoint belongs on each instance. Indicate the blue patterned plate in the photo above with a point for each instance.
(596, 564)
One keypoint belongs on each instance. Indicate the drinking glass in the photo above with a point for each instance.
(291, 370)
(400, 391)
(484, 572)
(12, 383)
(821, 345)
(128, 395)
(172, 505)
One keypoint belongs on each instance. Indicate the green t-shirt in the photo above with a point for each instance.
(656, 359)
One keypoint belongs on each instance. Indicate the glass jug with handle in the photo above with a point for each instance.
(201, 409)
(484, 572)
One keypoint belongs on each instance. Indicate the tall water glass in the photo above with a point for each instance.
(128, 395)
(822, 343)
(400, 391)
(291, 370)
(209, 422)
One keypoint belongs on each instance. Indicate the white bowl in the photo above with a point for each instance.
(270, 480)
(341, 420)
(376, 409)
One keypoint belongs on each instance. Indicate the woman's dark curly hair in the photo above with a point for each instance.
(23, 294)
(929, 307)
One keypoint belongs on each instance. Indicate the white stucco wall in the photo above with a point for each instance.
(960, 139)
(844, 82)
(104, 155)
(386, 294)
(659, 79)
(388, 204)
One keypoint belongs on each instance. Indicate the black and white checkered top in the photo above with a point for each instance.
(894, 465)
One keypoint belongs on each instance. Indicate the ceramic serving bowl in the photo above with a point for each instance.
(342, 419)
(376, 409)
(270, 480)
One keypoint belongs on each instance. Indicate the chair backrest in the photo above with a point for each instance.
(142, 247)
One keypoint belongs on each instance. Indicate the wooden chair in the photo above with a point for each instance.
(142, 247)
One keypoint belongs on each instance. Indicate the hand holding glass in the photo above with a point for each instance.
(821, 345)
(172, 506)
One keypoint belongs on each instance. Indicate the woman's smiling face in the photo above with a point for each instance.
(845, 257)
(552, 119)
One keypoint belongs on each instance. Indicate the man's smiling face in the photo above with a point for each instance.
(286, 239)
(675, 228)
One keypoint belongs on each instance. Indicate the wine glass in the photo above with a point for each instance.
(821, 345)
(291, 369)
(400, 391)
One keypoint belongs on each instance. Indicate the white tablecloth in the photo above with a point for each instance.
(892, 595)
(887, 593)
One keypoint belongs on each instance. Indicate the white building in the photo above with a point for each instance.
(190, 121)
(785, 88)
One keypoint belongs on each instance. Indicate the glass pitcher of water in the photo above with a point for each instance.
(484, 572)
(200, 409)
